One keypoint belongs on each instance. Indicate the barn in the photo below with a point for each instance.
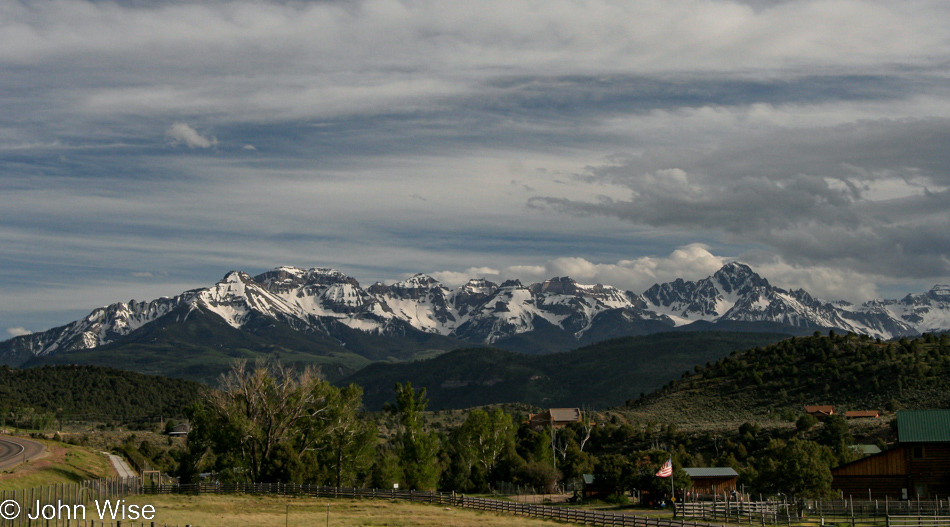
(917, 466)
(716, 481)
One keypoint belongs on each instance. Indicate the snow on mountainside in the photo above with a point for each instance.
(736, 293)
(926, 312)
(484, 312)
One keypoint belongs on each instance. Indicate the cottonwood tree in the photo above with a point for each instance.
(263, 420)
(351, 441)
(418, 449)
(475, 449)
(489, 436)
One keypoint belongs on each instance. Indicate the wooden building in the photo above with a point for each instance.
(919, 465)
(554, 418)
(716, 481)
(179, 430)
(862, 414)
(820, 411)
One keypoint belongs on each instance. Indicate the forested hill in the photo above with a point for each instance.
(599, 376)
(847, 371)
(93, 393)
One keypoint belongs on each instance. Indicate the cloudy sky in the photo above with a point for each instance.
(149, 147)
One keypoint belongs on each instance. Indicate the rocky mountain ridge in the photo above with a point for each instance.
(317, 300)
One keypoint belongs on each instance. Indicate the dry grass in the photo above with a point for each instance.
(62, 463)
(270, 511)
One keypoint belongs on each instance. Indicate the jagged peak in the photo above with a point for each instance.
(939, 293)
(735, 273)
(564, 285)
(734, 269)
(417, 281)
(290, 270)
(234, 277)
(479, 285)
(324, 271)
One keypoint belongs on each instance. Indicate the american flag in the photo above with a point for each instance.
(667, 469)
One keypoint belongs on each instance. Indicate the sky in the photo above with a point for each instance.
(149, 147)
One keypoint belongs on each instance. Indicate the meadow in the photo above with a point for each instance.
(261, 511)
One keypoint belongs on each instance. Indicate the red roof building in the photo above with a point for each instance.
(820, 411)
(555, 418)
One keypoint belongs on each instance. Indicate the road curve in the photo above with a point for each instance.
(15, 450)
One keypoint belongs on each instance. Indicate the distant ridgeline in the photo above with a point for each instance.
(597, 376)
(850, 372)
(90, 393)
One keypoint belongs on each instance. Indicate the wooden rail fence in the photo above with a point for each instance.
(838, 513)
(19, 505)
(86, 492)
(564, 514)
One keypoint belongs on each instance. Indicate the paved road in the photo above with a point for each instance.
(121, 467)
(15, 450)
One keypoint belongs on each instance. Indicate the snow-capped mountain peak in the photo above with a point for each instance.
(480, 311)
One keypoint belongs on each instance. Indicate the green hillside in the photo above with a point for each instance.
(91, 393)
(200, 347)
(601, 375)
(847, 371)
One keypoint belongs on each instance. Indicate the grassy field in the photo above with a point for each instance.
(270, 511)
(62, 463)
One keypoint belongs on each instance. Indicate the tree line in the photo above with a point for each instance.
(43, 398)
(269, 423)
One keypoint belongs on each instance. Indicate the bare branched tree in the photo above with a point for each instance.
(270, 405)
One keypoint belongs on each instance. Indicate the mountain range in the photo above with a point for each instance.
(324, 313)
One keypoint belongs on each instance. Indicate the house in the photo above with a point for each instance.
(918, 466)
(555, 418)
(591, 490)
(180, 430)
(820, 411)
(862, 414)
(712, 480)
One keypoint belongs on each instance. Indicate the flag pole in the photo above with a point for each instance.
(672, 489)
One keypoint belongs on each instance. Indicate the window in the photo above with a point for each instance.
(921, 489)
(917, 452)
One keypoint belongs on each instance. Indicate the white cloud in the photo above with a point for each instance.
(823, 282)
(693, 262)
(182, 133)
(455, 279)
(18, 331)
(690, 262)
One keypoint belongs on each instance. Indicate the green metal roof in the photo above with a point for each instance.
(710, 472)
(923, 426)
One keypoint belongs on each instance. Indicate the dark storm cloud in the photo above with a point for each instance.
(872, 195)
